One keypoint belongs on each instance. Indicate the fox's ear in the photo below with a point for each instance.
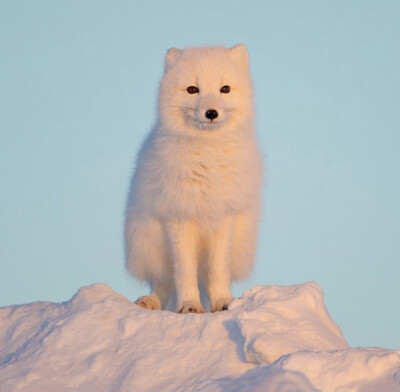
(240, 55)
(172, 56)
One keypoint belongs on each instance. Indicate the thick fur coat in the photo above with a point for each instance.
(194, 202)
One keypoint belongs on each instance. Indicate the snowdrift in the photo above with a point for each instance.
(272, 339)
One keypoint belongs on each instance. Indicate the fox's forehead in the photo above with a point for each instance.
(205, 66)
(205, 55)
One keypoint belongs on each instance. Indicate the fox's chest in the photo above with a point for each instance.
(208, 169)
(220, 179)
(187, 180)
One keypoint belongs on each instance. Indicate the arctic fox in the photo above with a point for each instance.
(194, 202)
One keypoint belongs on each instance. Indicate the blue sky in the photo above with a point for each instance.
(78, 85)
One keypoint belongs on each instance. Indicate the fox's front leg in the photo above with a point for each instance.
(218, 271)
(183, 241)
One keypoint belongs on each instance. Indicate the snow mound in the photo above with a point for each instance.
(278, 320)
(274, 339)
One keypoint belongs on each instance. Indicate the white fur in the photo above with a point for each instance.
(194, 202)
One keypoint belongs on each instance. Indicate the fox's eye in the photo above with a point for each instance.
(192, 90)
(225, 89)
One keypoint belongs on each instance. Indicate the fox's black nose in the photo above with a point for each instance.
(211, 114)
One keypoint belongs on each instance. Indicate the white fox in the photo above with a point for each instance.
(194, 203)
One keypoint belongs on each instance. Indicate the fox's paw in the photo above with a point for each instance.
(148, 302)
(190, 307)
(220, 304)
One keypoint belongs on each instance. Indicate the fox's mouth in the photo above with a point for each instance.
(204, 124)
(208, 125)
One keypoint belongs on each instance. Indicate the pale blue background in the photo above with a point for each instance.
(78, 85)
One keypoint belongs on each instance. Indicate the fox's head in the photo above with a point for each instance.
(206, 89)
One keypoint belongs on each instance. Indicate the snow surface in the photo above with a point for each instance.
(272, 339)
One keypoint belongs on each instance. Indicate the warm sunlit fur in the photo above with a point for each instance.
(194, 201)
